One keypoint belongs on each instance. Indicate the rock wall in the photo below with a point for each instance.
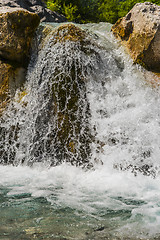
(139, 31)
(36, 6)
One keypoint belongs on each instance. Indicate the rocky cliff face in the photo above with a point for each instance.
(139, 31)
(36, 6)
(17, 27)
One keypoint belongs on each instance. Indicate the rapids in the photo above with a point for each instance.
(119, 196)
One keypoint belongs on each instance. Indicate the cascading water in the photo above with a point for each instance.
(84, 104)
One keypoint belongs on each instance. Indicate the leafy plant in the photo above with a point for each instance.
(70, 11)
(108, 11)
(83, 11)
(55, 6)
(126, 6)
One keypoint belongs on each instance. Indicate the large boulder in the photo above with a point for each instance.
(139, 31)
(63, 66)
(17, 27)
(36, 6)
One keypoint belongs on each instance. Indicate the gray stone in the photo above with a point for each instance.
(36, 6)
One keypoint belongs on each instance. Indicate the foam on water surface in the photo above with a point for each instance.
(121, 204)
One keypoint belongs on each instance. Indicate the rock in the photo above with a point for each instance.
(10, 79)
(65, 68)
(6, 74)
(139, 31)
(145, 169)
(17, 27)
(35, 6)
(70, 32)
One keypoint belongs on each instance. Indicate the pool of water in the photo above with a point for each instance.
(68, 203)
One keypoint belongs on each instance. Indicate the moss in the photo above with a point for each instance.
(123, 31)
(73, 129)
(67, 111)
(43, 33)
(70, 122)
(72, 147)
(116, 24)
(69, 32)
(157, 74)
(20, 97)
(115, 27)
(140, 60)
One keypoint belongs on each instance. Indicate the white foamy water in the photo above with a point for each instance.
(132, 203)
(119, 198)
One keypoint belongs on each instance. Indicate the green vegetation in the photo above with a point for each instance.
(83, 11)
(125, 6)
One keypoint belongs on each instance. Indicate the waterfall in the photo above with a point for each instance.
(83, 135)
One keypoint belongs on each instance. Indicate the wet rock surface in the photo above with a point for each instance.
(139, 31)
(17, 27)
(67, 110)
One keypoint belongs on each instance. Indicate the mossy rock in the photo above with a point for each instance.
(122, 31)
(70, 32)
(62, 34)
(67, 112)
(17, 27)
(73, 133)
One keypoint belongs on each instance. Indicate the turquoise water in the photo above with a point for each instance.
(68, 203)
